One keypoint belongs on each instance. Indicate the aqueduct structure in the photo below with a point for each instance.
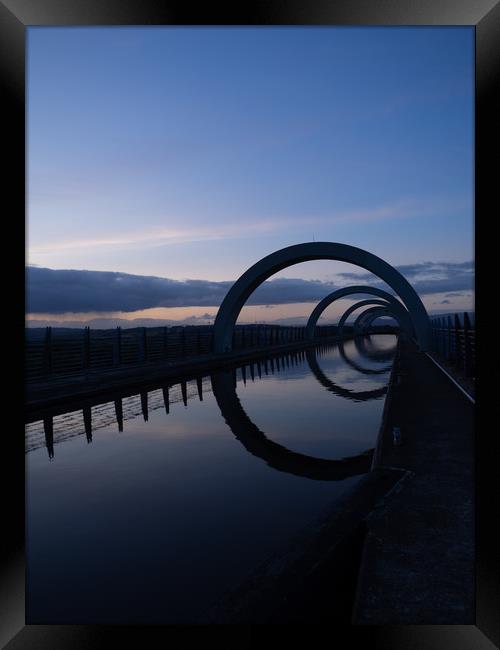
(350, 291)
(246, 284)
(397, 311)
(364, 320)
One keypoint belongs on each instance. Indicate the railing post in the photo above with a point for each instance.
(119, 413)
(449, 329)
(183, 341)
(48, 428)
(86, 348)
(442, 338)
(140, 346)
(144, 405)
(165, 341)
(467, 347)
(117, 347)
(48, 350)
(166, 399)
(458, 347)
(87, 421)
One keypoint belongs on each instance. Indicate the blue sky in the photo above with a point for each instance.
(190, 153)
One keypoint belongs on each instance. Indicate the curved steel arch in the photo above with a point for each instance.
(239, 293)
(347, 291)
(398, 313)
(365, 319)
(277, 456)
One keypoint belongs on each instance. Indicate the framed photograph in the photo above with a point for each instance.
(248, 321)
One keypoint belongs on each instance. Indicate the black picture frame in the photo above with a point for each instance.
(15, 17)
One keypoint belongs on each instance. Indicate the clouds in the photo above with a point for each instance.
(60, 291)
(428, 277)
(239, 227)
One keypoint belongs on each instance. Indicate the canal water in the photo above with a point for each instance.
(156, 522)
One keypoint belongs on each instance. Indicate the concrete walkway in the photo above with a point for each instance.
(418, 561)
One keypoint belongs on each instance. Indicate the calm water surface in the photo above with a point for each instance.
(155, 523)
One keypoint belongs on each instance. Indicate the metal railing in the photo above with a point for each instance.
(454, 339)
(56, 353)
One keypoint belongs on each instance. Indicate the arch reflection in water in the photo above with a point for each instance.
(277, 456)
(184, 493)
(365, 347)
(357, 366)
(92, 417)
(330, 385)
(373, 354)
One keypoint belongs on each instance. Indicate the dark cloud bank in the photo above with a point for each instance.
(61, 291)
(429, 277)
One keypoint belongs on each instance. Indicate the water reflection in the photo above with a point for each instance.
(276, 455)
(374, 351)
(119, 413)
(347, 393)
(154, 522)
(98, 415)
(87, 421)
(48, 428)
(364, 352)
(228, 400)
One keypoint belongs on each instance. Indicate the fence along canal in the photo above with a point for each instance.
(454, 340)
(59, 352)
